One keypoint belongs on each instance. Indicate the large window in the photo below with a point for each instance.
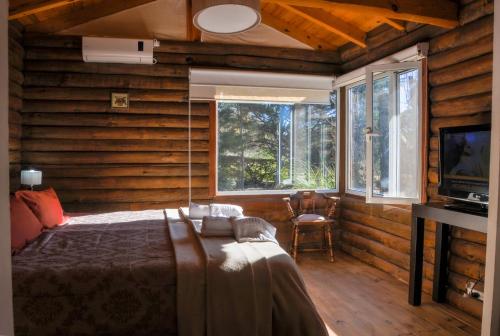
(272, 147)
(383, 134)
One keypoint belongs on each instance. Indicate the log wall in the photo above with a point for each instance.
(99, 158)
(16, 78)
(459, 72)
(460, 81)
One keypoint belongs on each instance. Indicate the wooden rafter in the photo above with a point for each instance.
(294, 32)
(394, 24)
(331, 23)
(192, 33)
(83, 15)
(22, 9)
(442, 13)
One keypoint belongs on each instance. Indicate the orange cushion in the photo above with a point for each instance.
(45, 205)
(24, 226)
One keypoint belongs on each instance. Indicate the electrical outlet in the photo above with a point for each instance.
(476, 294)
(473, 293)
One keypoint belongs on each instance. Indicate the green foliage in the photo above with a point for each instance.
(318, 179)
(264, 146)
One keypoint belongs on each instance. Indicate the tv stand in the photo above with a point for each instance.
(474, 208)
(445, 218)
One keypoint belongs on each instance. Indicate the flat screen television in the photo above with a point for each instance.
(464, 162)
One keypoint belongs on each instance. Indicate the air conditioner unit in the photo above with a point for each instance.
(117, 50)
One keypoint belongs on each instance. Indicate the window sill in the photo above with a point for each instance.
(355, 192)
(269, 194)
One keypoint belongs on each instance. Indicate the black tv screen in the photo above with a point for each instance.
(464, 159)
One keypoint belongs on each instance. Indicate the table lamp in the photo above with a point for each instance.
(31, 177)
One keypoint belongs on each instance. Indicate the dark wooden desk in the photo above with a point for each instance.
(445, 219)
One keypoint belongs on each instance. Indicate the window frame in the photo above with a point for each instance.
(348, 188)
(422, 126)
(402, 66)
(215, 147)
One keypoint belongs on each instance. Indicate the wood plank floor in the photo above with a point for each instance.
(356, 299)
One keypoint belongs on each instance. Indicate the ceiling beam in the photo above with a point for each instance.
(192, 33)
(21, 9)
(294, 32)
(393, 23)
(330, 23)
(84, 15)
(442, 13)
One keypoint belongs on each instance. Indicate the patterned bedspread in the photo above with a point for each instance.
(104, 274)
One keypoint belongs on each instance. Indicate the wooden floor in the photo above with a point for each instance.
(356, 299)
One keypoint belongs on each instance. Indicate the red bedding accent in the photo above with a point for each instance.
(24, 226)
(45, 205)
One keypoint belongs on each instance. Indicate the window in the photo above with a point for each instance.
(356, 118)
(383, 134)
(271, 147)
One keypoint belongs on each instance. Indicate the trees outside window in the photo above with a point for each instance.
(276, 146)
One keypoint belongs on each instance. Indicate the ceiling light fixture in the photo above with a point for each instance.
(226, 16)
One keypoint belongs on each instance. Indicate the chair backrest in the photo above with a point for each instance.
(311, 202)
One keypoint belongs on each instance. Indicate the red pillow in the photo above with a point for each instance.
(24, 226)
(45, 205)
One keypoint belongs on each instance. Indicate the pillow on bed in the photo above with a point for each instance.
(45, 205)
(198, 211)
(24, 226)
(225, 210)
(216, 227)
(253, 229)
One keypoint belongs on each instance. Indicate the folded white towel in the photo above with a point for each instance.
(253, 229)
(225, 210)
(198, 211)
(216, 227)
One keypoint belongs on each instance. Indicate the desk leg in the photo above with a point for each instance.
(416, 261)
(441, 263)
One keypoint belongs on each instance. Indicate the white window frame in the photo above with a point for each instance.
(348, 144)
(271, 192)
(392, 67)
(357, 77)
(348, 188)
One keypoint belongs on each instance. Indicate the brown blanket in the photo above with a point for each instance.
(105, 274)
(251, 288)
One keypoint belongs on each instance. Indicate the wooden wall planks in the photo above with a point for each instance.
(102, 159)
(16, 78)
(460, 94)
(99, 158)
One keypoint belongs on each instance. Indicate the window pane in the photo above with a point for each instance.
(409, 152)
(383, 119)
(271, 146)
(357, 123)
(395, 152)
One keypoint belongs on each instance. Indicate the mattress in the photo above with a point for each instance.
(101, 274)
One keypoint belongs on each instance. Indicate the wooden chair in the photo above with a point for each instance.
(312, 210)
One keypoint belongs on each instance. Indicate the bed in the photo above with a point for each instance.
(104, 274)
(149, 273)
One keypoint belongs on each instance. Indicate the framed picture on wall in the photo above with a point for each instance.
(119, 100)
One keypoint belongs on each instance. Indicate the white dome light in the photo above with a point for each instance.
(222, 17)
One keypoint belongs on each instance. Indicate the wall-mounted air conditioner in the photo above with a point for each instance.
(117, 50)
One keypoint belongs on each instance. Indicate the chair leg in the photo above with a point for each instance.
(295, 242)
(330, 242)
(324, 245)
(292, 242)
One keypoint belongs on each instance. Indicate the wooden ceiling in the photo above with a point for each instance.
(319, 24)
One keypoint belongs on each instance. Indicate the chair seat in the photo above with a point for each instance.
(310, 218)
